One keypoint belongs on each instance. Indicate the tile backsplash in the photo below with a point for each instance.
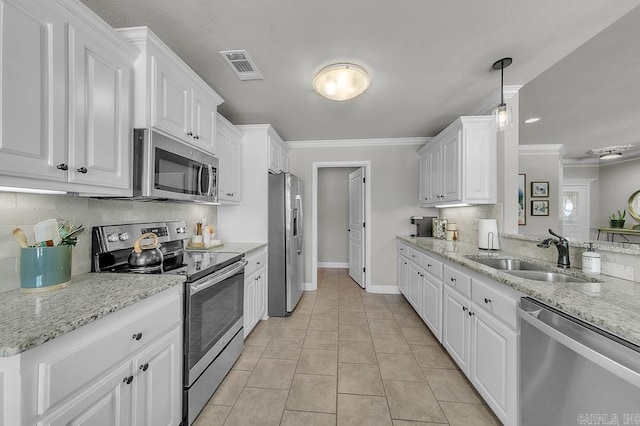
(25, 210)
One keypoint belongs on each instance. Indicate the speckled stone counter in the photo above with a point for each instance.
(610, 303)
(245, 248)
(28, 320)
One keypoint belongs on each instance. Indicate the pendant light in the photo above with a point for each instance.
(502, 113)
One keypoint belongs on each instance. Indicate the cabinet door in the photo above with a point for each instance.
(234, 156)
(274, 155)
(403, 275)
(494, 365)
(203, 116)
(261, 295)
(100, 131)
(423, 195)
(284, 160)
(415, 286)
(170, 101)
(455, 328)
(33, 135)
(434, 185)
(106, 402)
(158, 382)
(432, 305)
(450, 170)
(224, 177)
(249, 314)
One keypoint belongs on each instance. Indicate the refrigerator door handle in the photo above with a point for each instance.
(300, 218)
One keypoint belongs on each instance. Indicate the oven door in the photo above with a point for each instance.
(213, 316)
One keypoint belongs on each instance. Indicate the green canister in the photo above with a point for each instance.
(45, 268)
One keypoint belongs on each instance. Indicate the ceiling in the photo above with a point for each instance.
(429, 60)
(591, 98)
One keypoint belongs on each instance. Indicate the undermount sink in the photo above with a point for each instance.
(508, 264)
(552, 277)
(528, 270)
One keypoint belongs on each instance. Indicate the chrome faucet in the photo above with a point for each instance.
(562, 244)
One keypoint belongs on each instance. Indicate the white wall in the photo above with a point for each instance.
(394, 194)
(25, 210)
(333, 214)
(541, 166)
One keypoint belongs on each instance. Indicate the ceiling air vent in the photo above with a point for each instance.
(241, 64)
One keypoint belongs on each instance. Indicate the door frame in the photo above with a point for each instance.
(366, 165)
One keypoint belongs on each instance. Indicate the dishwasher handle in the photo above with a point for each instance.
(604, 349)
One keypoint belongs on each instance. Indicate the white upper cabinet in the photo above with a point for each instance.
(66, 91)
(169, 95)
(278, 153)
(459, 165)
(229, 143)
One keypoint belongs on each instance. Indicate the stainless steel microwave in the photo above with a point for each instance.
(167, 169)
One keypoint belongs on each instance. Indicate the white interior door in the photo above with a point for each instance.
(356, 226)
(575, 211)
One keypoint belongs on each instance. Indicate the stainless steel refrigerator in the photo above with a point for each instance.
(286, 254)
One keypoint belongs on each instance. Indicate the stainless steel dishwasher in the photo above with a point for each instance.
(574, 373)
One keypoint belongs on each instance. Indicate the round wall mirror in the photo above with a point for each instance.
(634, 205)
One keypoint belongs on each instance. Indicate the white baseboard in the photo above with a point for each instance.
(383, 289)
(342, 265)
(309, 287)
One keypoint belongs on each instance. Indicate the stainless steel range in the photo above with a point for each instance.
(213, 300)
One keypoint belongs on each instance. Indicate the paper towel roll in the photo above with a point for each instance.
(488, 234)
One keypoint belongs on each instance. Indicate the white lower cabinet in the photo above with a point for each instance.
(255, 290)
(123, 369)
(493, 364)
(476, 321)
(455, 332)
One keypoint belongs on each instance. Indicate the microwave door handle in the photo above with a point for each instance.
(200, 180)
(210, 188)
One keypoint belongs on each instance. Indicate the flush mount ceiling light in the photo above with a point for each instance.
(531, 120)
(341, 82)
(502, 113)
(610, 152)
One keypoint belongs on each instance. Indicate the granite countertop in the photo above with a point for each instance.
(231, 247)
(30, 319)
(612, 304)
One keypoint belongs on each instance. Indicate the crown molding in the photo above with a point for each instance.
(541, 149)
(343, 143)
(583, 162)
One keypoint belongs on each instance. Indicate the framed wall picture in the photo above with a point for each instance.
(539, 207)
(522, 211)
(539, 189)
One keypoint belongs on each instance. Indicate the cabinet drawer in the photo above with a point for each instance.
(414, 256)
(255, 261)
(432, 266)
(403, 250)
(457, 280)
(497, 303)
(80, 357)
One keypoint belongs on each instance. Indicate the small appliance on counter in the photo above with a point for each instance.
(424, 226)
(488, 234)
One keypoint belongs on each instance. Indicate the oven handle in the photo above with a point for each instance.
(233, 269)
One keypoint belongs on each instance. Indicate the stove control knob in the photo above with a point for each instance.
(112, 238)
(124, 236)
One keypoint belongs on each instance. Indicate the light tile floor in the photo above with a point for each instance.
(345, 357)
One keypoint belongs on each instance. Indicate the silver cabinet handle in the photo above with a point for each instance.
(82, 170)
(127, 380)
(487, 300)
(189, 134)
(62, 167)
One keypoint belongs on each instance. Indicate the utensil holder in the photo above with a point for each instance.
(45, 268)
